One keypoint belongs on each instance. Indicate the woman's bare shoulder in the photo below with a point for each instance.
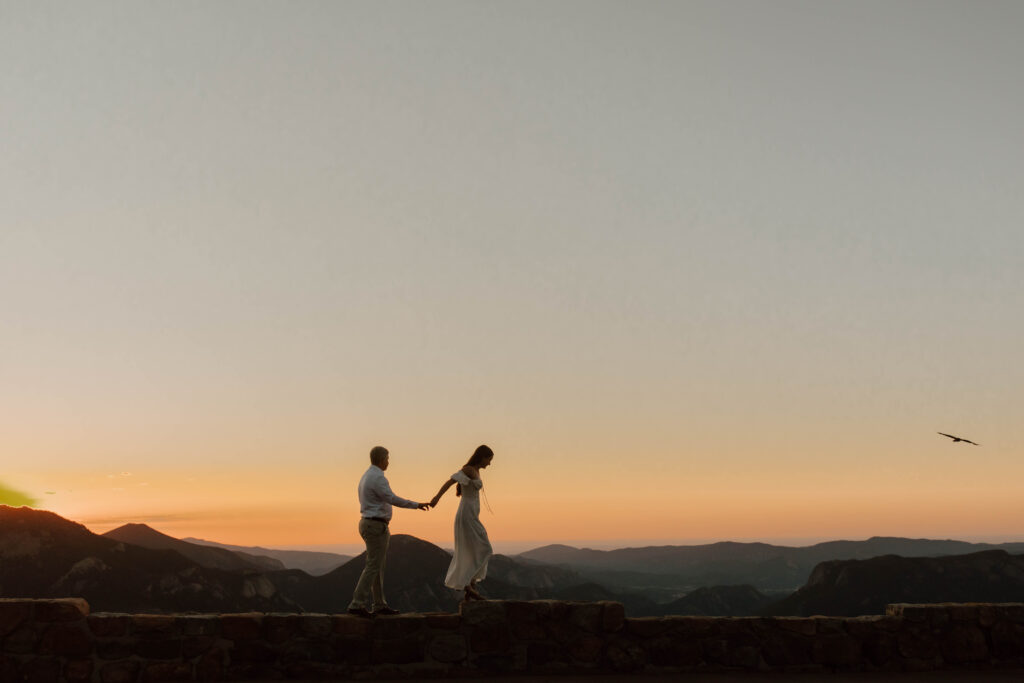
(471, 472)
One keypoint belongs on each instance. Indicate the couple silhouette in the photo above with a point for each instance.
(376, 499)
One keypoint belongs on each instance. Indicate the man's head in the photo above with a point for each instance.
(379, 457)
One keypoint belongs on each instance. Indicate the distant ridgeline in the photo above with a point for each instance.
(138, 569)
(59, 640)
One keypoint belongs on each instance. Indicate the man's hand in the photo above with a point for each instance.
(423, 506)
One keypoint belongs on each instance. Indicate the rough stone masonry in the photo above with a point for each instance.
(59, 640)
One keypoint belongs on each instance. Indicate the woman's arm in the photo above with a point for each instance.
(447, 485)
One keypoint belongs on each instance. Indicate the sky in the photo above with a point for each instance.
(695, 271)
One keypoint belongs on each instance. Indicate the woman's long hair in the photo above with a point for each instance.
(479, 455)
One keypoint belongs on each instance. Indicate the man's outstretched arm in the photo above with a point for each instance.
(387, 494)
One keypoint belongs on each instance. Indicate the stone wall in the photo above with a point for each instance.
(59, 640)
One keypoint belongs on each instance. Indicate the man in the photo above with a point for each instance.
(375, 501)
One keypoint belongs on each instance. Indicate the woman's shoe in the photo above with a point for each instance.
(472, 594)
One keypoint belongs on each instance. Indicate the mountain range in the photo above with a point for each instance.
(312, 562)
(137, 569)
(852, 587)
(772, 569)
(206, 556)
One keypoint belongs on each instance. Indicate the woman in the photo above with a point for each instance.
(472, 548)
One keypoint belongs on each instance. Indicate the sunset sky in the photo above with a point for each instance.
(695, 270)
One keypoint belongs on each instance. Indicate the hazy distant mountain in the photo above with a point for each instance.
(719, 601)
(206, 556)
(43, 555)
(764, 566)
(854, 587)
(311, 562)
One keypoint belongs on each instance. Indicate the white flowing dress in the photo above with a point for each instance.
(472, 547)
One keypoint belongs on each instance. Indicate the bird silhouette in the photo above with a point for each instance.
(957, 438)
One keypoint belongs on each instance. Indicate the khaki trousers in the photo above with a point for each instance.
(377, 536)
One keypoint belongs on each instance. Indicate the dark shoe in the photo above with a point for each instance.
(360, 612)
(385, 611)
(471, 593)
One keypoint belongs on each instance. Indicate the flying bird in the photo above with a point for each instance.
(957, 438)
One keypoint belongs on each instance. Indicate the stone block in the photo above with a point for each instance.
(527, 631)
(881, 649)
(490, 639)
(23, 639)
(625, 655)
(646, 627)
(494, 663)
(1012, 611)
(917, 644)
(482, 612)
(114, 649)
(194, 646)
(840, 651)
(199, 624)
(587, 616)
(41, 670)
(252, 652)
(352, 650)
(245, 626)
(964, 643)
(211, 666)
(544, 652)
(66, 640)
(61, 609)
(829, 625)
(159, 672)
(742, 656)
(351, 626)
(963, 612)
(10, 668)
(318, 670)
(12, 614)
(306, 649)
(674, 652)
(801, 625)
(119, 672)
(562, 632)
(400, 626)
(443, 622)
(524, 610)
(76, 671)
(784, 648)
(107, 625)
(865, 626)
(588, 650)
(398, 651)
(613, 617)
(155, 625)
(278, 628)
(448, 648)
(690, 628)
(908, 611)
(1008, 641)
(162, 648)
(320, 625)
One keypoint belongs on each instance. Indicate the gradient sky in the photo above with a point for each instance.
(695, 270)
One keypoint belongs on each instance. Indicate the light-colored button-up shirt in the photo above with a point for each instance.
(376, 496)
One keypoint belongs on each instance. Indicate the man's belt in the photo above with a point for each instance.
(378, 519)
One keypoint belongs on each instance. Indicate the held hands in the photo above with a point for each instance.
(423, 506)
